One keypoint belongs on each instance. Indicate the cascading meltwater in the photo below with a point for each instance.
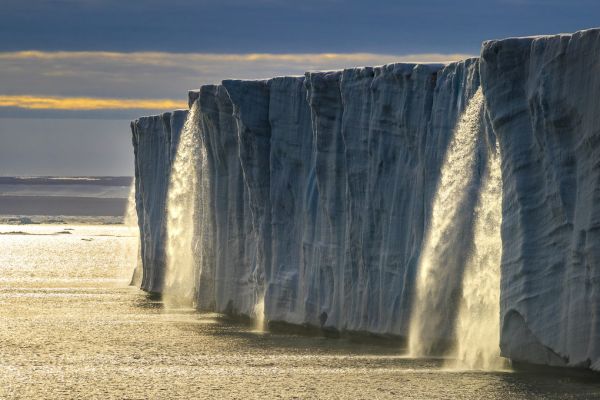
(456, 306)
(448, 239)
(132, 248)
(182, 211)
(477, 325)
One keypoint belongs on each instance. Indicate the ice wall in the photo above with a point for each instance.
(542, 97)
(293, 205)
(321, 187)
(226, 283)
(372, 128)
(250, 101)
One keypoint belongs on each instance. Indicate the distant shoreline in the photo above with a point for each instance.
(62, 205)
(75, 196)
(67, 180)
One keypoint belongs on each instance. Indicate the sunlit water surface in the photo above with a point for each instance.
(71, 328)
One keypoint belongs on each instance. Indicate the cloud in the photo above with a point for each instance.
(87, 103)
(190, 59)
(93, 80)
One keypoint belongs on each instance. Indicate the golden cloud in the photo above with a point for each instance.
(87, 103)
(164, 58)
(152, 80)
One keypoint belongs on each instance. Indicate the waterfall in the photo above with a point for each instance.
(130, 219)
(477, 325)
(259, 314)
(445, 246)
(182, 215)
(131, 271)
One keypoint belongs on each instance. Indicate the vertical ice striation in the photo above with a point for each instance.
(235, 134)
(184, 240)
(250, 101)
(324, 289)
(443, 257)
(477, 323)
(383, 129)
(292, 197)
(223, 283)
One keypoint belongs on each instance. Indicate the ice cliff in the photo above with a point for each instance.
(321, 189)
(542, 97)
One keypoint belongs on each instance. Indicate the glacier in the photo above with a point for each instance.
(542, 98)
(321, 191)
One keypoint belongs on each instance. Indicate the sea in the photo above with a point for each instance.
(73, 328)
(55, 198)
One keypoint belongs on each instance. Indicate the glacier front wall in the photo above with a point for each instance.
(322, 188)
(543, 100)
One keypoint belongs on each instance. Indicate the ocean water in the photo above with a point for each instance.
(64, 196)
(72, 328)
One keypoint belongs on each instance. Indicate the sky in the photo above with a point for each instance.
(73, 73)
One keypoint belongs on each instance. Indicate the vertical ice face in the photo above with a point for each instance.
(319, 188)
(355, 134)
(154, 142)
(384, 129)
(225, 283)
(542, 97)
(292, 197)
(323, 297)
(250, 101)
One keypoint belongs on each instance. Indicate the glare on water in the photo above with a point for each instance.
(71, 328)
